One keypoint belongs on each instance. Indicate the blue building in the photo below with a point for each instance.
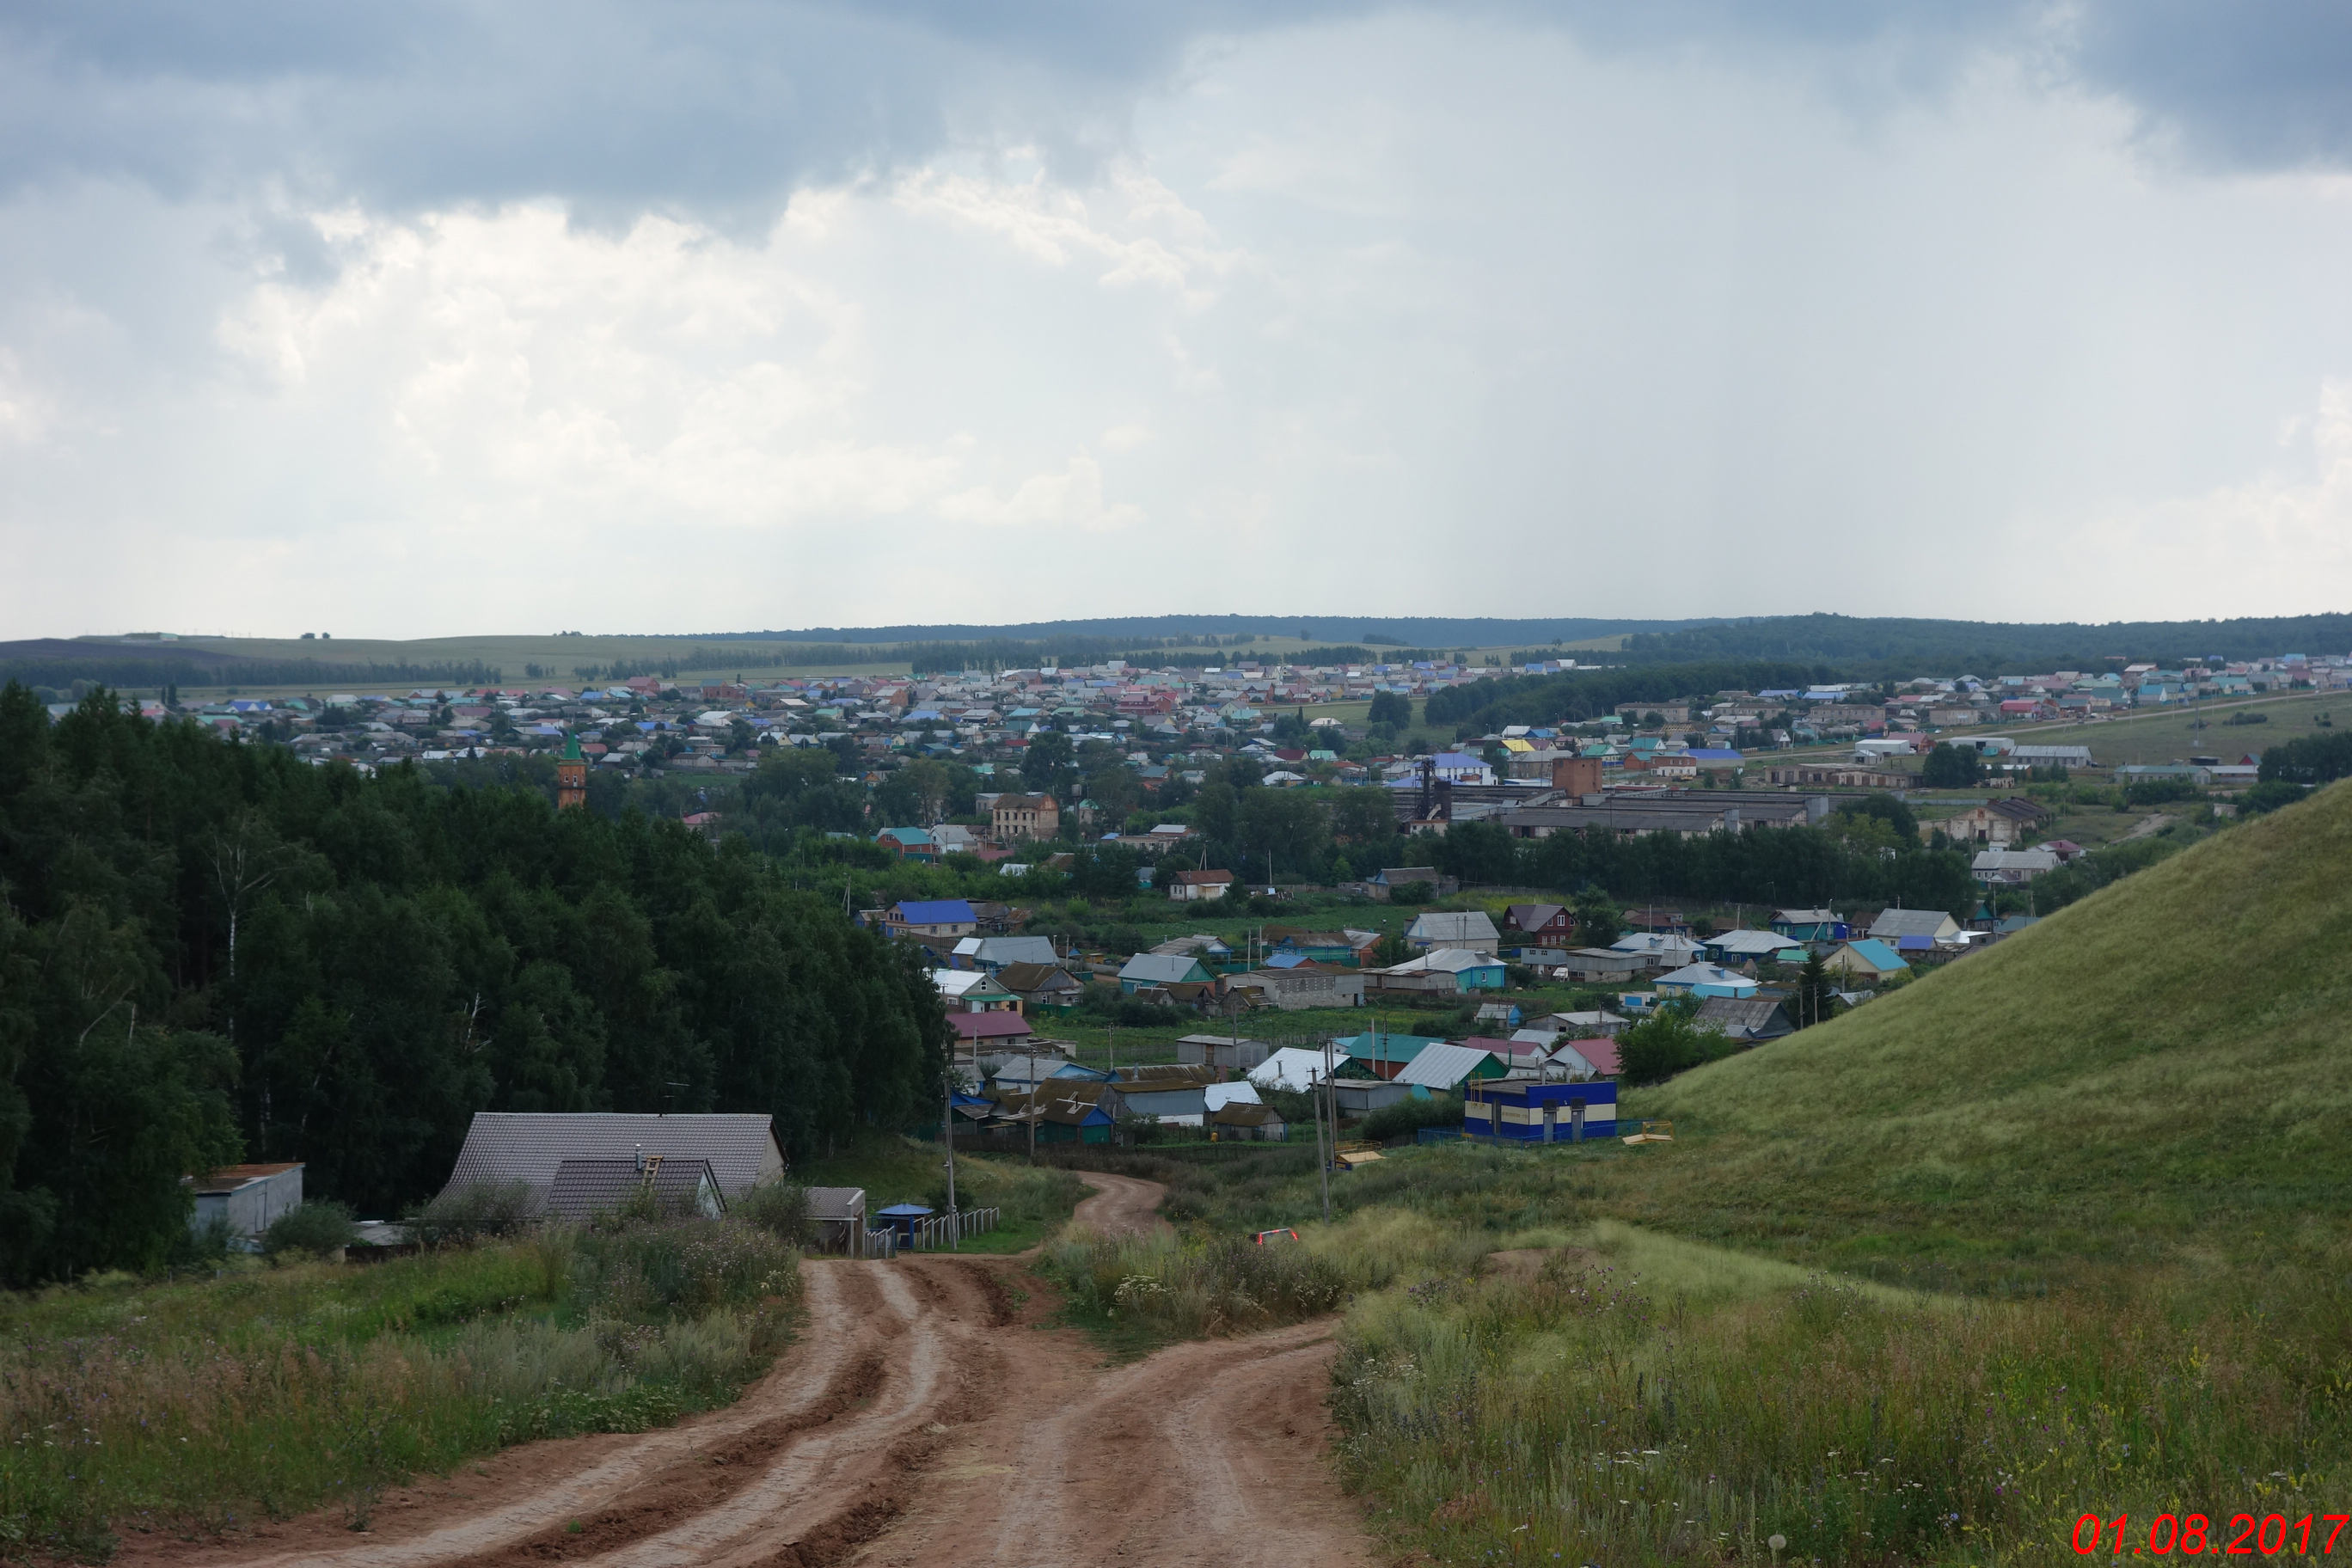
(1526, 1111)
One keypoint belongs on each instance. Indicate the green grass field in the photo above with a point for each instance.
(2059, 1229)
(184, 1405)
(2153, 1075)
(2161, 735)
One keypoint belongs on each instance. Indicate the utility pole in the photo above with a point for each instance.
(1332, 1152)
(947, 1135)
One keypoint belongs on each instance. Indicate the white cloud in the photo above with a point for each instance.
(1070, 499)
(1406, 314)
(2279, 545)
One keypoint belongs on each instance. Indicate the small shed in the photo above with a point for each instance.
(244, 1199)
(1362, 1095)
(1233, 1053)
(1246, 1122)
(901, 1217)
(840, 1216)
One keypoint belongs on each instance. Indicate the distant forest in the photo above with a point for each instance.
(1882, 648)
(1577, 696)
(56, 663)
(1147, 631)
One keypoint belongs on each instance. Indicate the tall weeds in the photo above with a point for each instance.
(1576, 1413)
(194, 1406)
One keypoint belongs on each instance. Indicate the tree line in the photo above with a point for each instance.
(1580, 696)
(211, 950)
(1874, 648)
(1858, 858)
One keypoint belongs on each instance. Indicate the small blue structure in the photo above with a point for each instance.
(1526, 1111)
(901, 1217)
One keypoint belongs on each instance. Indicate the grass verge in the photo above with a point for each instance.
(191, 1406)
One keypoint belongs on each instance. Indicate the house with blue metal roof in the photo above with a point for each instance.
(1160, 969)
(1380, 1055)
(1705, 980)
(910, 843)
(1868, 959)
(931, 917)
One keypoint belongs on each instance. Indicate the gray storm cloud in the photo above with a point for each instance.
(703, 106)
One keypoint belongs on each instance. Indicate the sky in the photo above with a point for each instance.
(466, 317)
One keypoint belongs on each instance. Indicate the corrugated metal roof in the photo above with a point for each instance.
(1161, 968)
(836, 1203)
(229, 1178)
(528, 1146)
(1442, 1065)
(936, 912)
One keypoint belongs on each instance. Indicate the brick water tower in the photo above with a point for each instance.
(571, 776)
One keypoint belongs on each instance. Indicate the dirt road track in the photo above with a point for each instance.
(1121, 1205)
(921, 1420)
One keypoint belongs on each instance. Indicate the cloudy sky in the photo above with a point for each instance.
(464, 317)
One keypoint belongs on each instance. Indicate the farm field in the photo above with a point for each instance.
(559, 660)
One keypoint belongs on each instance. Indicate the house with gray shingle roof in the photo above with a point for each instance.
(584, 1189)
(531, 1147)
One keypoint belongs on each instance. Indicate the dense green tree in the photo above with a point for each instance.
(1903, 825)
(209, 948)
(1291, 825)
(1048, 762)
(1599, 920)
(1814, 999)
(2309, 758)
(1362, 815)
(1112, 786)
(1951, 767)
(1665, 1043)
(1391, 708)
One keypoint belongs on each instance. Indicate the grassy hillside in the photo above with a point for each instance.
(2157, 1073)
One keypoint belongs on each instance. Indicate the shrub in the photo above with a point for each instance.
(1406, 1116)
(1223, 1285)
(1951, 767)
(2269, 796)
(465, 1215)
(2161, 792)
(316, 1228)
(1657, 1047)
(680, 1269)
(779, 1208)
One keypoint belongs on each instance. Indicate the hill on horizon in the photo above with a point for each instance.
(2151, 1078)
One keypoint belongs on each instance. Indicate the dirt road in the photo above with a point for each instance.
(1121, 1205)
(926, 1417)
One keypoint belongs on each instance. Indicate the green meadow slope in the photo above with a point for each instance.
(2156, 1077)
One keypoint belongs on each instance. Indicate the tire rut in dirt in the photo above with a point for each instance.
(847, 1315)
(841, 1486)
